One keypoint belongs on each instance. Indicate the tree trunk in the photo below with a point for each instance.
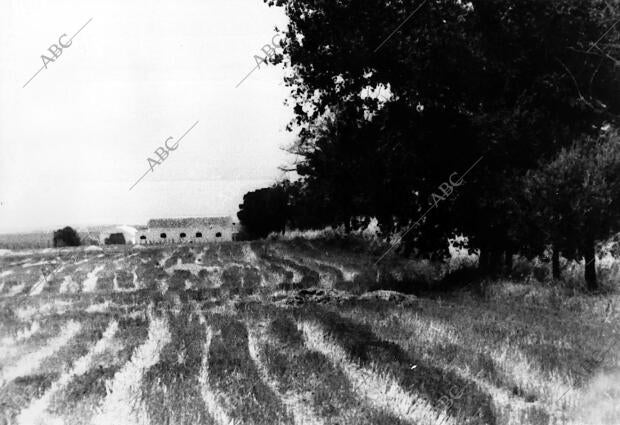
(495, 261)
(483, 261)
(489, 261)
(555, 263)
(508, 260)
(590, 268)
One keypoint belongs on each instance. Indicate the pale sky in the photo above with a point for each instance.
(77, 137)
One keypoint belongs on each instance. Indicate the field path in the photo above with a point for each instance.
(30, 362)
(382, 391)
(209, 394)
(302, 413)
(123, 404)
(35, 413)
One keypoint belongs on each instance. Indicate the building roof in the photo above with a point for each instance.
(190, 222)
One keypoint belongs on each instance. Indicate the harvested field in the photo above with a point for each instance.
(288, 333)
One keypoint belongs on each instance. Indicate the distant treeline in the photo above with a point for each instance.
(37, 240)
(26, 240)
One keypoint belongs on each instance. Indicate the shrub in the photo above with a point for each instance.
(115, 239)
(66, 237)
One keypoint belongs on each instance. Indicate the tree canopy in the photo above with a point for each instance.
(575, 197)
(263, 211)
(391, 98)
(66, 237)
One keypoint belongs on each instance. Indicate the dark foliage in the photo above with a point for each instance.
(575, 198)
(263, 211)
(66, 237)
(513, 81)
(115, 239)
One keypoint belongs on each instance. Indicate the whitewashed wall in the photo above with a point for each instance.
(173, 234)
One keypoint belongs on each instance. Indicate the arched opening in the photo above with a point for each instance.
(163, 236)
(198, 235)
(142, 238)
(218, 235)
(182, 235)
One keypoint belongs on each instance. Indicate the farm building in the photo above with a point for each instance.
(186, 230)
(103, 235)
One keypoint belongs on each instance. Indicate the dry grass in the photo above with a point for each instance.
(192, 335)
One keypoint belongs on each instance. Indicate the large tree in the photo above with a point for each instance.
(264, 211)
(575, 198)
(513, 80)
